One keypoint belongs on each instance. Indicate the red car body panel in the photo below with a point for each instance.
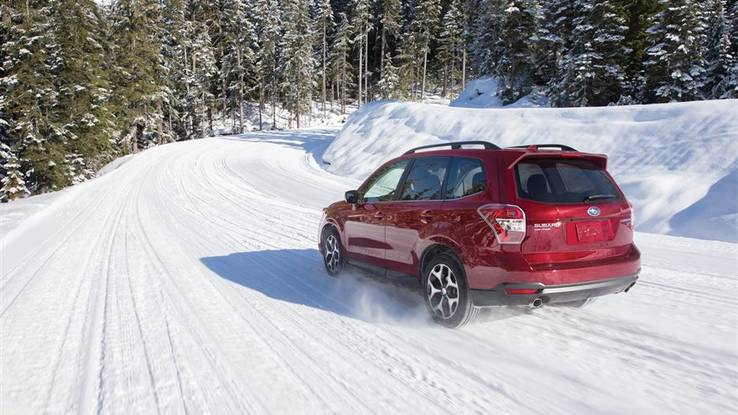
(563, 243)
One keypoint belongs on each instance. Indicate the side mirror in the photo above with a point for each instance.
(352, 196)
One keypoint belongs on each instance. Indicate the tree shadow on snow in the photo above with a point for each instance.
(297, 276)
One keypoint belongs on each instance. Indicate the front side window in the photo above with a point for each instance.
(425, 179)
(465, 178)
(383, 185)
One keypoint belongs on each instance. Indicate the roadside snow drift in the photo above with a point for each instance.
(675, 162)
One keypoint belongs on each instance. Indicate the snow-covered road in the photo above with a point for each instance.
(188, 281)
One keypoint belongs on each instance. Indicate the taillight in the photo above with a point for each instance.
(507, 222)
(630, 220)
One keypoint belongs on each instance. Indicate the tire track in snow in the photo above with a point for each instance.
(243, 401)
(276, 265)
(275, 345)
(42, 265)
(70, 317)
(91, 370)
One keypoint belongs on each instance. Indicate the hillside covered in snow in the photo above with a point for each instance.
(677, 163)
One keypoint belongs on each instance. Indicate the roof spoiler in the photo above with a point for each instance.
(536, 147)
(600, 159)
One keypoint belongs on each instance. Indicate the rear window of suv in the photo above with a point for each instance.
(563, 181)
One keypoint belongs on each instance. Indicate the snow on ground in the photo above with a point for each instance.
(482, 93)
(677, 163)
(282, 119)
(187, 280)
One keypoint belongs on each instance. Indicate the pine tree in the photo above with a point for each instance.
(469, 10)
(424, 27)
(390, 81)
(267, 64)
(137, 76)
(5, 140)
(13, 185)
(450, 45)
(390, 21)
(324, 22)
(340, 59)
(407, 56)
(639, 16)
(202, 69)
(675, 67)
(487, 29)
(552, 40)
(172, 66)
(30, 49)
(298, 61)
(731, 79)
(238, 62)
(515, 67)
(592, 71)
(718, 56)
(81, 80)
(362, 25)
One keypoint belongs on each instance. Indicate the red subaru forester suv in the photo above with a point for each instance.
(528, 225)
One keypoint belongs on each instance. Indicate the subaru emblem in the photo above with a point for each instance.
(593, 211)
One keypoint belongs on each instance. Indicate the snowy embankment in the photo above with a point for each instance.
(677, 163)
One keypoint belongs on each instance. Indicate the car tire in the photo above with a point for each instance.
(446, 292)
(332, 252)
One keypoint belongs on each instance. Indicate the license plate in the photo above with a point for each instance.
(590, 232)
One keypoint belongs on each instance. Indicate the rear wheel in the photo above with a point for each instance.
(446, 292)
(332, 252)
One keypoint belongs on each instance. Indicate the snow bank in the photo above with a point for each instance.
(482, 93)
(675, 162)
(115, 164)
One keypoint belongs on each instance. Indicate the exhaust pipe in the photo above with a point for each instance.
(536, 303)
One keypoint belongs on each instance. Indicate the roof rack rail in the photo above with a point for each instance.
(535, 147)
(456, 145)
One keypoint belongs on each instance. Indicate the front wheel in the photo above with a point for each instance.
(446, 292)
(332, 252)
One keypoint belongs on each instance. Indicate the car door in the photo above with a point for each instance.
(469, 184)
(364, 226)
(410, 218)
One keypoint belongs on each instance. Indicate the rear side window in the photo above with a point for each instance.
(465, 178)
(425, 178)
(563, 181)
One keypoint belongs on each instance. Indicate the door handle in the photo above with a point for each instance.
(379, 215)
(426, 216)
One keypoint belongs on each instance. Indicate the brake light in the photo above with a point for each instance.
(630, 220)
(507, 222)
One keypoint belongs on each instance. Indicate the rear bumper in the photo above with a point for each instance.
(551, 294)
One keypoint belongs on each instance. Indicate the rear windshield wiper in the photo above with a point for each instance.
(598, 197)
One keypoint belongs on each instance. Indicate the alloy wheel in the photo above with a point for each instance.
(443, 291)
(332, 253)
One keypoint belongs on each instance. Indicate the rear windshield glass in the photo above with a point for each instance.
(563, 181)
